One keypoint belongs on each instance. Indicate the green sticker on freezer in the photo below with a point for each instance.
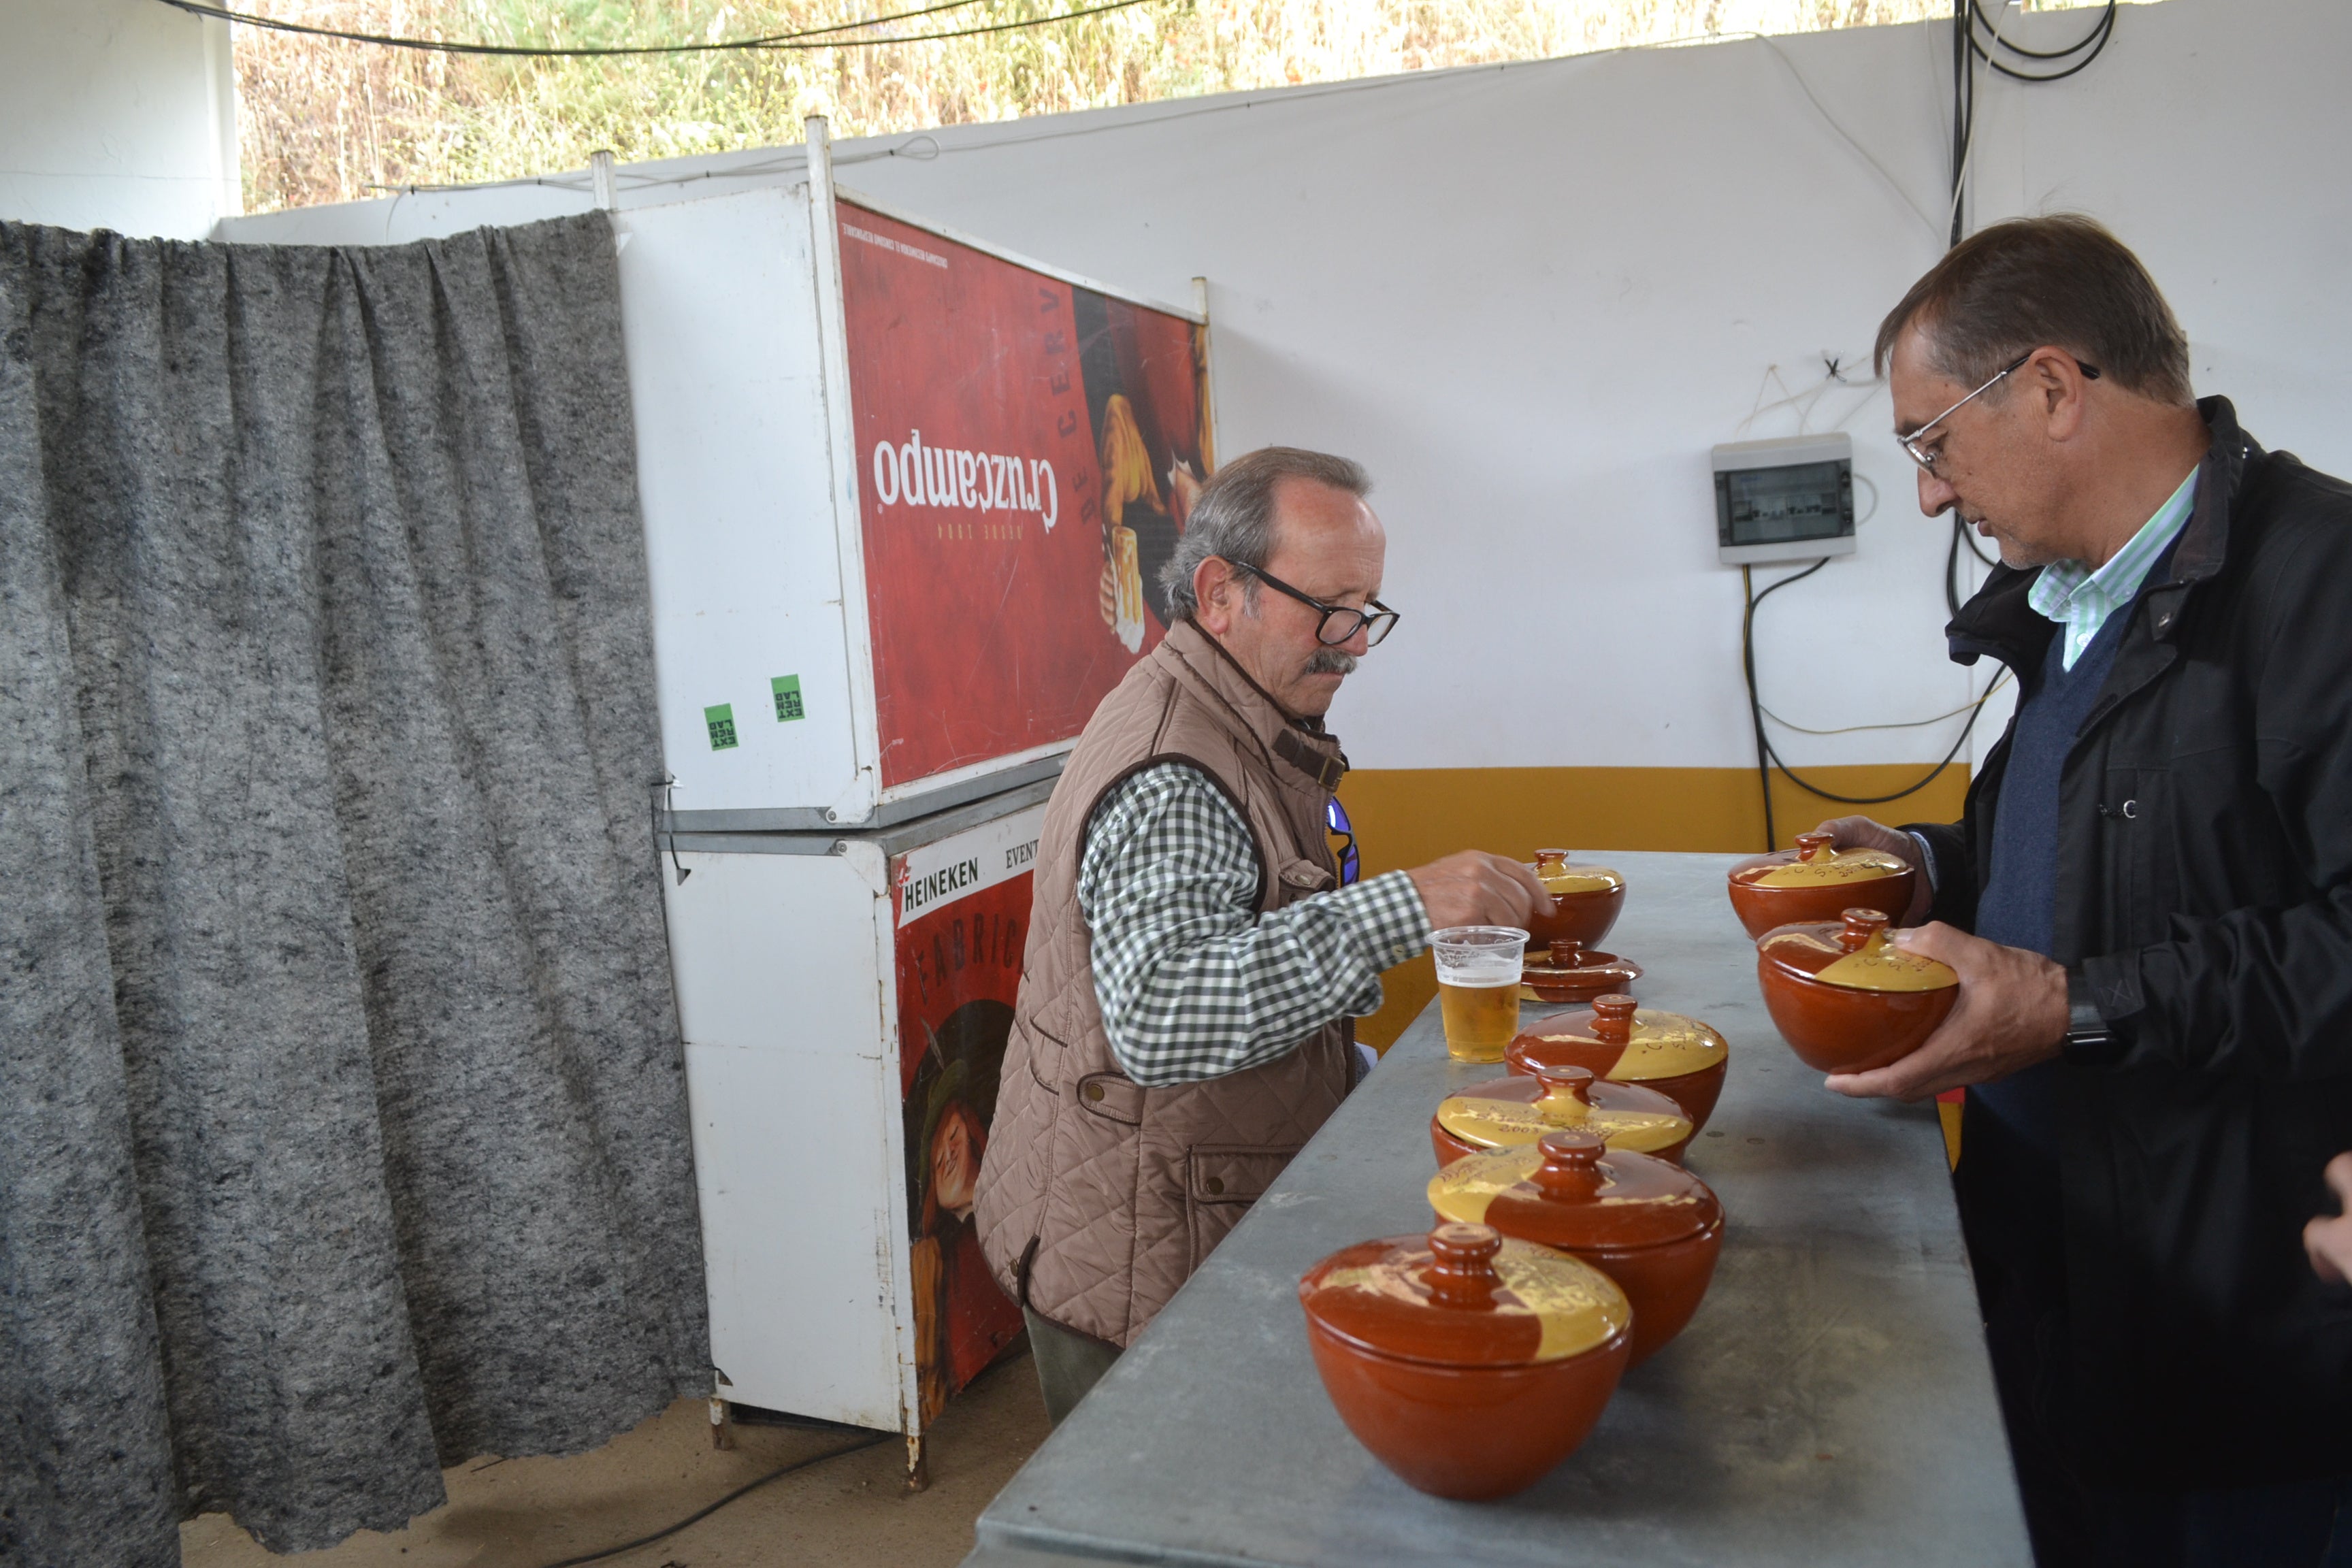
(722, 721)
(787, 688)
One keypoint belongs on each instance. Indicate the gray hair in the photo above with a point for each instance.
(2062, 280)
(1232, 517)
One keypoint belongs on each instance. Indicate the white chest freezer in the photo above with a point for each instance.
(845, 1001)
(905, 499)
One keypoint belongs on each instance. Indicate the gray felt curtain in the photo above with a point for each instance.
(342, 1111)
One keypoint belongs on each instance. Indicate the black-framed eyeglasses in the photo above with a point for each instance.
(1335, 818)
(1926, 457)
(1340, 622)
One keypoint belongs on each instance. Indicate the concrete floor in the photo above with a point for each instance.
(851, 1511)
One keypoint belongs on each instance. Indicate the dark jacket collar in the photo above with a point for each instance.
(1999, 622)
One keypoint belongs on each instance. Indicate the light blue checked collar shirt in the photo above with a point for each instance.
(2080, 600)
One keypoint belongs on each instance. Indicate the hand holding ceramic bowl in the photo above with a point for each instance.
(1817, 881)
(1514, 1113)
(1468, 1364)
(1585, 902)
(1573, 973)
(1653, 1228)
(1845, 998)
(1679, 1056)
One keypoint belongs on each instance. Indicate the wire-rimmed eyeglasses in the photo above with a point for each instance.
(1928, 457)
(1340, 622)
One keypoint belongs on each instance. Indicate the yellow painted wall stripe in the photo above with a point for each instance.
(1409, 816)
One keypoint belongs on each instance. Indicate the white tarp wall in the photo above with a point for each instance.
(1531, 297)
(115, 114)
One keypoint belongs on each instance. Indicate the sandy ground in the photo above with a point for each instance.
(852, 1511)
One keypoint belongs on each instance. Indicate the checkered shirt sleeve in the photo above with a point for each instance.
(1193, 982)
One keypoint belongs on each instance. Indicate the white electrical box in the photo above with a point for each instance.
(1791, 498)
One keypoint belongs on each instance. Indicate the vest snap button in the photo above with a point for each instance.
(1215, 1184)
(1095, 1092)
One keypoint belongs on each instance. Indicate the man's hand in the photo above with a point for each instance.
(1861, 832)
(2011, 1014)
(2329, 1241)
(1475, 888)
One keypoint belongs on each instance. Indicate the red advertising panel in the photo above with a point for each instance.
(963, 909)
(1027, 451)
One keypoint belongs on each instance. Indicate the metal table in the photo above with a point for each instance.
(1830, 1403)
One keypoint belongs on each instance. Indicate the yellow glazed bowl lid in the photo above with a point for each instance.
(1553, 870)
(1856, 954)
(1816, 862)
(1465, 1296)
(1563, 1104)
(1657, 1044)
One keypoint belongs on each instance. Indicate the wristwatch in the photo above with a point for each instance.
(2090, 1040)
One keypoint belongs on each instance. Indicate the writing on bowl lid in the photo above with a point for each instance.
(1466, 1296)
(1503, 1120)
(1859, 954)
(1656, 1044)
(1818, 860)
(1558, 875)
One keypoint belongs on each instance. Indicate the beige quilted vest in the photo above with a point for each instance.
(1098, 1197)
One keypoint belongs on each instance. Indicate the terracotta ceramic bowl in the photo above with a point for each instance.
(1844, 999)
(1679, 1056)
(1514, 1113)
(1653, 1228)
(1573, 973)
(1468, 1364)
(1817, 881)
(1587, 901)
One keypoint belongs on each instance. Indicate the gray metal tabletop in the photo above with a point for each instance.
(1830, 1403)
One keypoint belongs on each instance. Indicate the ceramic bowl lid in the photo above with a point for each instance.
(1656, 1045)
(1558, 875)
(1568, 1191)
(1854, 954)
(1568, 960)
(1465, 1296)
(1513, 1112)
(1816, 861)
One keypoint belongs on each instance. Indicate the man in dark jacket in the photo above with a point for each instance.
(2149, 904)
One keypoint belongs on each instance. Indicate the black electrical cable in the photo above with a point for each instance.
(1764, 757)
(1768, 758)
(700, 1514)
(809, 39)
(2095, 41)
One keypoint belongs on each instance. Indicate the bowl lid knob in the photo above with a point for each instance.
(1811, 846)
(1612, 1018)
(1462, 1265)
(1570, 1167)
(1860, 925)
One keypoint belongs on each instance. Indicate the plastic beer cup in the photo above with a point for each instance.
(1478, 988)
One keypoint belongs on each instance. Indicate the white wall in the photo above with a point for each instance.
(115, 114)
(1531, 297)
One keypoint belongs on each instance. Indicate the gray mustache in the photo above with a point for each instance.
(1331, 661)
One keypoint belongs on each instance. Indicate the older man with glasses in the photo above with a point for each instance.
(1196, 957)
(2149, 905)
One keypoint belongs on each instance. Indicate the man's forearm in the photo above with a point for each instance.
(1211, 1002)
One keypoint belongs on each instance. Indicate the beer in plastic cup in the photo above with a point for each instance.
(1478, 988)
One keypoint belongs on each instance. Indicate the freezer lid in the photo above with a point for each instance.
(895, 839)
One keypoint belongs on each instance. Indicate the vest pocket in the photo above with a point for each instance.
(1111, 1096)
(1221, 1181)
(1302, 879)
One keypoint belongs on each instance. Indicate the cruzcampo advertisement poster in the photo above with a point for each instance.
(962, 910)
(1027, 451)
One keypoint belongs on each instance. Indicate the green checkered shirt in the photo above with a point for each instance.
(1193, 982)
(2080, 600)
